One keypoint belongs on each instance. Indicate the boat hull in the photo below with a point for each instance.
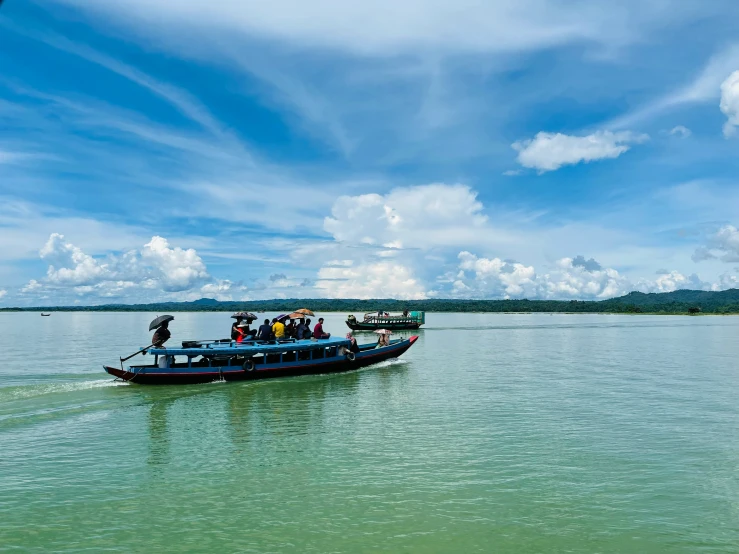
(155, 376)
(363, 326)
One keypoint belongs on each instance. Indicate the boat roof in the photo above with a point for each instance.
(246, 348)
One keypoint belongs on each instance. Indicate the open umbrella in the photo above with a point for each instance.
(305, 311)
(282, 317)
(158, 321)
(297, 315)
(383, 332)
(244, 315)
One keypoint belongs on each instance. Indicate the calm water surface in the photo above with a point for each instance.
(494, 433)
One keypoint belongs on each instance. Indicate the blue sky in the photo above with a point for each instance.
(241, 150)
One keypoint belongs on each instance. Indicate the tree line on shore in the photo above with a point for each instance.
(677, 302)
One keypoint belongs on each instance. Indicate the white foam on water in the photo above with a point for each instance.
(388, 363)
(30, 391)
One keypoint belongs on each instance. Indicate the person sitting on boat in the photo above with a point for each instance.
(265, 331)
(301, 329)
(307, 333)
(278, 329)
(161, 335)
(354, 347)
(234, 328)
(242, 331)
(290, 329)
(318, 330)
(384, 340)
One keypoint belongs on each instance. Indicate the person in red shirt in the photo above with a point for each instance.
(318, 330)
(241, 332)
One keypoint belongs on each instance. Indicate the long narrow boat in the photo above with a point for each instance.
(392, 322)
(206, 361)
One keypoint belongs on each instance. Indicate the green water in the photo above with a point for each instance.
(494, 433)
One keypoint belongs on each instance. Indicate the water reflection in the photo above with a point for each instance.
(257, 419)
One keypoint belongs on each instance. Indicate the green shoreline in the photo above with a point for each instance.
(681, 302)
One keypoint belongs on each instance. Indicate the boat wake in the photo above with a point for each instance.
(389, 363)
(41, 389)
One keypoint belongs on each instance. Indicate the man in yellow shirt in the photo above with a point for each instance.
(278, 328)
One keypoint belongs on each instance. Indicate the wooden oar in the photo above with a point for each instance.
(139, 352)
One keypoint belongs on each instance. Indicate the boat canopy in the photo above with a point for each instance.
(246, 348)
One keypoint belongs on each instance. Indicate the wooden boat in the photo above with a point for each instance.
(45, 315)
(392, 322)
(206, 361)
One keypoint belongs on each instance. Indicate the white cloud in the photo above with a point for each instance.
(494, 277)
(568, 278)
(373, 280)
(3, 293)
(157, 268)
(681, 131)
(178, 269)
(724, 245)
(69, 265)
(385, 27)
(672, 281)
(580, 278)
(550, 151)
(704, 87)
(410, 217)
(730, 103)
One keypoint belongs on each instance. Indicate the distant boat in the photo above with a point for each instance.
(384, 320)
(45, 315)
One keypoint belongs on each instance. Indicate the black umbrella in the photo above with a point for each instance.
(244, 315)
(158, 321)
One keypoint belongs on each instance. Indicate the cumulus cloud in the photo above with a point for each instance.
(493, 277)
(550, 151)
(176, 268)
(69, 265)
(372, 280)
(580, 278)
(672, 281)
(3, 293)
(409, 217)
(724, 245)
(568, 278)
(156, 267)
(730, 103)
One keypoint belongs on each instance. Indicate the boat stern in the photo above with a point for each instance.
(115, 372)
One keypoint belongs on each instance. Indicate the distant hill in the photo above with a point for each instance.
(677, 302)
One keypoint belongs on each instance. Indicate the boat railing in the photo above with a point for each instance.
(211, 343)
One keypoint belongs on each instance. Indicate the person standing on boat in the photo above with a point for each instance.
(161, 335)
(265, 331)
(318, 330)
(278, 328)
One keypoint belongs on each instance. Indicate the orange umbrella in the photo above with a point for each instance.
(305, 311)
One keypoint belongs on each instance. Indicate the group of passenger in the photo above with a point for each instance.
(298, 329)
